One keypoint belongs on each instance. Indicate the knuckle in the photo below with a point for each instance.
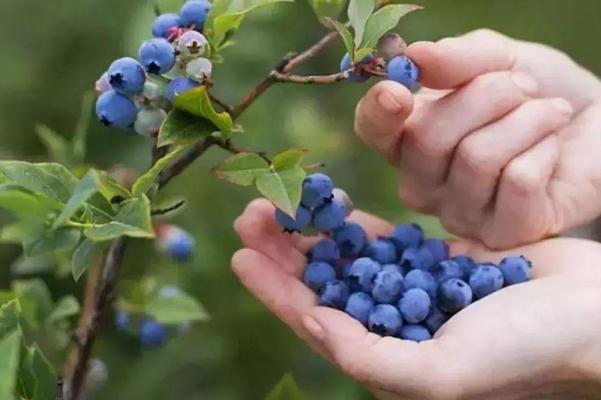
(410, 198)
(521, 179)
(474, 159)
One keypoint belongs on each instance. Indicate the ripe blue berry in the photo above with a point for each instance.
(388, 286)
(121, 320)
(385, 320)
(358, 306)
(417, 258)
(333, 294)
(157, 56)
(415, 333)
(116, 110)
(328, 216)
(126, 76)
(438, 248)
(350, 238)
(415, 305)
(447, 269)
(318, 274)
(177, 87)
(325, 250)
(316, 189)
(164, 23)
(454, 295)
(467, 265)
(402, 70)
(149, 121)
(177, 243)
(485, 279)
(381, 250)
(362, 273)
(152, 333)
(194, 13)
(302, 219)
(345, 64)
(435, 319)
(421, 279)
(515, 269)
(405, 236)
(392, 268)
(191, 44)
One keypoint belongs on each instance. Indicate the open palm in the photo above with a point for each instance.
(537, 337)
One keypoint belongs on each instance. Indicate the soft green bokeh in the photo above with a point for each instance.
(52, 51)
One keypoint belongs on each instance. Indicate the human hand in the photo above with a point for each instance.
(538, 337)
(502, 144)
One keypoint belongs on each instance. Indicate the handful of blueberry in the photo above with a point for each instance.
(403, 285)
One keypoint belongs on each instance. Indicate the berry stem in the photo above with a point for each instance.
(310, 79)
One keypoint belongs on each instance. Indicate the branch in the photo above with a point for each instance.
(334, 78)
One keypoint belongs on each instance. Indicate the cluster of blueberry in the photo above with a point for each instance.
(132, 102)
(175, 242)
(403, 285)
(390, 58)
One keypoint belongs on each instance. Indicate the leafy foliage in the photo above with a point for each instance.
(285, 389)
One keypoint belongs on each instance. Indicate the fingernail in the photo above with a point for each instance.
(388, 102)
(562, 106)
(313, 327)
(525, 82)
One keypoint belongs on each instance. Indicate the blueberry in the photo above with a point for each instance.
(199, 69)
(157, 56)
(191, 44)
(417, 258)
(392, 268)
(325, 250)
(358, 306)
(435, 319)
(179, 244)
(350, 238)
(415, 305)
(164, 24)
(177, 87)
(116, 110)
(391, 45)
(343, 197)
(302, 219)
(152, 333)
(447, 269)
(438, 248)
(316, 189)
(362, 273)
(151, 91)
(381, 250)
(515, 269)
(402, 70)
(467, 265)
(415, 333)
(485, 279)
(421, 279)
(385, 320)
(329, 216)
(388, 286)
(454, 295)
(318, 273)
(194, 13)
(333, 294)
(345, 64)
(405, 236)
(126, 76)
(149, 121)
(121, 320)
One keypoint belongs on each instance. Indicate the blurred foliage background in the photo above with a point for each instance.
(52, 51)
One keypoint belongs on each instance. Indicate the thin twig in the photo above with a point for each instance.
(163, 211)
(188, 158)
(323, 79)
(226, 107)
(229, 147)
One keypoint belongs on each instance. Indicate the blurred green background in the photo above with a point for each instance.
(52, 51)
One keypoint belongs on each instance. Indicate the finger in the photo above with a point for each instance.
(380, 116)
(455, 61)
(481, 157)
(435, 129)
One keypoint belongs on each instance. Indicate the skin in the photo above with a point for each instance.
(539, 337)
(502, 142)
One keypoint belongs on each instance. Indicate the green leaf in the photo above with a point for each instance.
(358, 14)
(146, 181)
(85, 188)
(345, 34)
(37, 377)
(288, 159)
(34, 299)
(56, 241)
(81, 128)
(56, 145)
(197, 102)
(285, 389)
(109, 188)
(383, 20)
(9, 317)
(20, 230)
(182, 127)
(174, 310)
(360, 54)
(33, 265)
(26, 204)
(133, 219)
(10, 346)
(64, 308)
(52, 180)
(242, 169)
(84, 256)
(283, 188)
(326, 9)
